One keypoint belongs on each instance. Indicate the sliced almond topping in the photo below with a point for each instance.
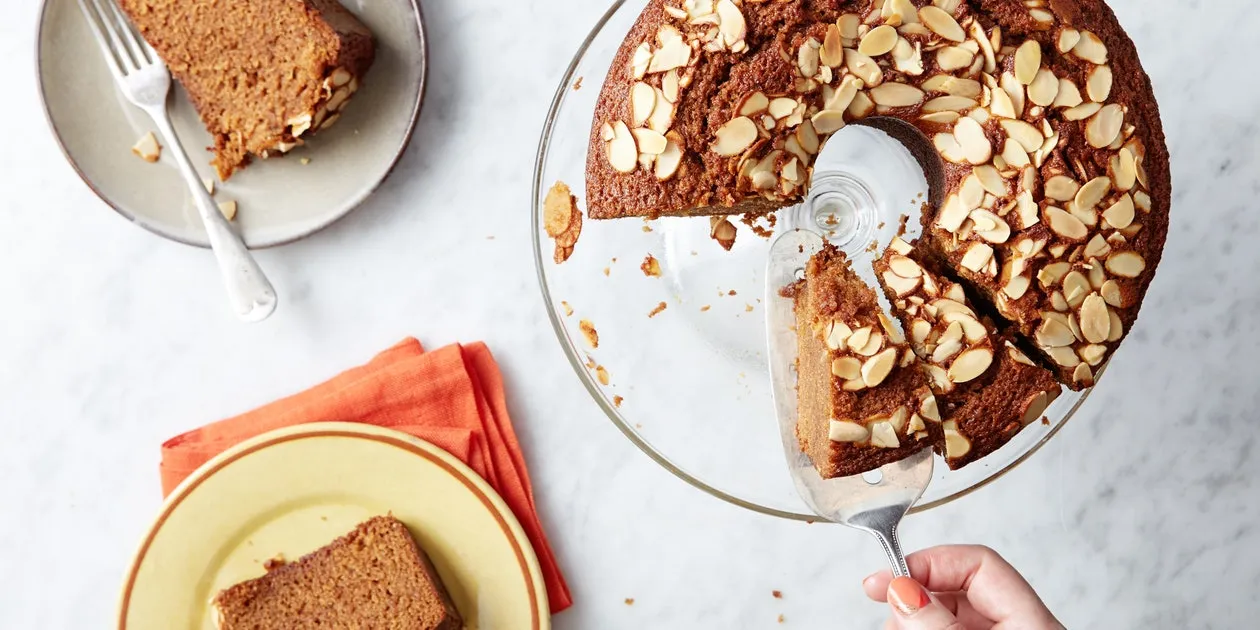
(1120, 214)
(735, 136)
(1044, 88)
(896, 95)
(807, 58)
(955, 444)
(147, 148)
(859, 338)
(1054, 333)
(732, 23)
(847, 368)
(1051, 274)
(641, 59)
(1095, 322)
(1117, 326)
(952, 58)
(753, 104)
(828, 121)
(1025, 134)
(782, 107)
(1017, 286)
(622, 152)
(228, 209)
(977, 257)
(1063, 356)
(1090, 48)
(878, 367)
(1111, 293)
(1098, 84)
(1093, 354)
(1068, 96)
(904, 267)
(838, 335)
(1002, 106)
(863, 67)
(1028, 214)
(908, 58)
(1097, 247)
(1035, 407)
(663, 114)
(1082, 374)
(668, 161)
(649, 142)
(642, 102)
(848, 24)
(1104, 127)
(831, 54)
(879, 41)
(872, 345)
(948, 146)
(1027, 61)
(674, 53)
(1012, 153)
(1124, 170)
(1015, 90)
(949, 103)
(1143, 202)
(1067, 39)
(975, 145)
(1061, 188)
(844, 431)
(1081, 112)
(995, 229)
(942, 23)
(884, 435)
(991, 180)
(606, 132)
(1076, 287)
(1091, 193)
(1126, 264)
(900, 285)
(970, 365)
(1065, 225)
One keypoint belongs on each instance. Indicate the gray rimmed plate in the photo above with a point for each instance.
(281, 199)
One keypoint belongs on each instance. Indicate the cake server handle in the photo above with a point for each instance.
(882, 524)
(251, 294)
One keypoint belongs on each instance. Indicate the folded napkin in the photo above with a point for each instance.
(452, 397)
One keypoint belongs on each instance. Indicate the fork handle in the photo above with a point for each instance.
(251, 294)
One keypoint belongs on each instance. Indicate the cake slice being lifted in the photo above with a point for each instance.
(373, 577)
(986, 388)
(262, 73)
(863, 397)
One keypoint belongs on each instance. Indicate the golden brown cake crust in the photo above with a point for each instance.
(983, 412)
(832, 293)
(373, 577)
(260, 73)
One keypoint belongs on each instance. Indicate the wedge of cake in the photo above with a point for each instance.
(986, 388)
(863, 397)
(262, 73)
(373, 577)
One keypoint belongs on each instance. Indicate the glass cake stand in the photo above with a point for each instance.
(690, 385)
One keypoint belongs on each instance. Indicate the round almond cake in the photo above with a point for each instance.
(1057, 186)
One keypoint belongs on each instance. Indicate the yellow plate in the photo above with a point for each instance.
(292, 491)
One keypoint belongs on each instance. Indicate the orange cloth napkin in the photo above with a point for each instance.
(452, 397)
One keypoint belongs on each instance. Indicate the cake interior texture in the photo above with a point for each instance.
(261, 73)
(373, 577)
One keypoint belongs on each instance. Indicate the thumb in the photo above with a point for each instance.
(915, 608)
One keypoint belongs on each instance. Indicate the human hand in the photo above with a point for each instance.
(969, 587)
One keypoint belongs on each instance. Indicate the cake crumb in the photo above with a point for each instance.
(275, 562)
(562, 220)
(601, 374)
(777, 594)
(228, 208)
(731, 292)
(305, 161)
(607, 271)
(651, 267)
(588, 331)
(780, 618)
(657, 311)
(723, 231)
(617, 400)
(490, 238)
(647, 228)
(901, 224)
(880, 226)
(577, 85)
(704, 308)
(568, 310)
(748, 308)
(590, 362)
(750, 219)
(629, 601)
(873, 246)
(1045, 421)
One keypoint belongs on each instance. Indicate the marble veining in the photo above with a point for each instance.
(1140, 514)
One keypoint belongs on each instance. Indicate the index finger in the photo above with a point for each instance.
(994, 588)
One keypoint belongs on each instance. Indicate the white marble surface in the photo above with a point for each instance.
(1141, 513)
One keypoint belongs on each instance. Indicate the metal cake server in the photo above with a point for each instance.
(869, 180)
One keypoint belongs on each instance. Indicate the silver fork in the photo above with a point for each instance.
(143, 78)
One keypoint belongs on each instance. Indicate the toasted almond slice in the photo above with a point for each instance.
(623, 154)
(831, 54)
(1124, 170)
(1091, 193)
(662, 115)
(828, 121)
(1034, 407)
(1025, 134)
(642, 102)
(148, 148)
(1117, 326)
(1065, 224)
(1095, 322)
(948, 146)
(872, 345)
(1002, 106)
(847, 368)
(1104, 127)
(1067, 39)
(999, 233)
(970, 365)
(1068, 96)
(735, 136)
(991, 180)
(838, 334)
(753, 104)
(649, 142)
(807, 58)
(845, 431)
(896, 95)
(782, 107)
(955, 444)
(228, 208)
(1098, 83)
(883, 435)
(953, 213)
(901, 286)
(848, 25)
(863, 67)
(674, 53)
(949, 103)
(952, 58)
(1061, 188)
(1054, 333)
(1044, 88)
(879, 41)
(977, 257)
(1027, 61)
(1126, 264)
(641, 59)
(941, 118)
(1121, 213)
(732, 24)
(1090, 48)
(942, 23)
(878, 367)
(1081, 112)
(670, 159)
(1015, 90)
(904, 267)
(975, 144)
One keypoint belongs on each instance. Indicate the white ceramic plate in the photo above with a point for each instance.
(280, 200)
(291, 491)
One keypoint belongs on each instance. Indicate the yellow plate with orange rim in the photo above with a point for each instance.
(292, 491)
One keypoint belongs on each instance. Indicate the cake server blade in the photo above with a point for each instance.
(875, 506)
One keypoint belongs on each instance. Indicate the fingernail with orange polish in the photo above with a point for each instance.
(907, 596)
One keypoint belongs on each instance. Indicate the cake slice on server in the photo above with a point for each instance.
(863, 398)
(262, 74)
(987, 390)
